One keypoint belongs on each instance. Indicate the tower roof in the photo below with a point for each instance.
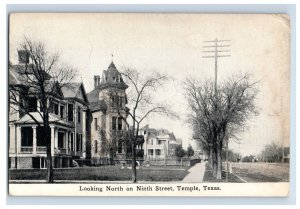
(112, 66)
(112, 77)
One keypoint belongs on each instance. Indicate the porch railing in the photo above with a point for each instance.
(41, 149)
(26, 149)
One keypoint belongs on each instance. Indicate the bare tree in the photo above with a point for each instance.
(109, 145)
(42, 79)
(217, 115)
(140, 99)
(272, 152)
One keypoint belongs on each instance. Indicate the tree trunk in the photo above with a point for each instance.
(219, 171)
(133, 163)
(210, 156)
(215, 162)
(49, 157)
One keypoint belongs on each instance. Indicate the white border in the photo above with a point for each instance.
(114, 200)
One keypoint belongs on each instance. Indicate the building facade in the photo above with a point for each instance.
(108, 110)
(159, 144)
(68, 107)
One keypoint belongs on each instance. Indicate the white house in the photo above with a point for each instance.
(159, 144)
(67, 120)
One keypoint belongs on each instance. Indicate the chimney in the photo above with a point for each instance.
(98, 80)
(23, 56)
(95, 81)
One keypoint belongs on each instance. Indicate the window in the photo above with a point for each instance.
(72, 142)
(26, 136)
(145, 132)
(62, 109)
(32, 104)
(117, 101)
(150, 151)
(114, 123)
(96, 124)
(120, 124)
(151, 141)
(39, 162)
(40, 137)
(157, 152)
(55, 109)
(61, 139)
(70, 112)
(79, 115)
(96, 146)
(79, 142)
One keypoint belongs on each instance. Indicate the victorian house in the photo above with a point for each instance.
(107, 105)
(68, 119)
(159, 144)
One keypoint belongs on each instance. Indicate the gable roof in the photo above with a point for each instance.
(75, 90)
(93, 96)
(23, 70)
(18, 77)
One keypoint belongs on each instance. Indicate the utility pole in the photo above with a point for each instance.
(217, 49)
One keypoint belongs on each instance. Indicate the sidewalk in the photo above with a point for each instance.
(196, 174)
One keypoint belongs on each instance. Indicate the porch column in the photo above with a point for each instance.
(56, 138)
(83, 151)
(12, 139)
(18, 137)
(52, 140)
(34, 139)
(75, 143)
(67, 141)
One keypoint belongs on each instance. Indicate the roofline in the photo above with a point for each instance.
(98, 109)
(50, 122)
(108, 85)
(76, 99)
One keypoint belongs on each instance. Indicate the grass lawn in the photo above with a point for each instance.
(108, 173)
(262, 172)
(208, 176)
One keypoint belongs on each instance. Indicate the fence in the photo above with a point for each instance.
(174, 162)
(140, 161)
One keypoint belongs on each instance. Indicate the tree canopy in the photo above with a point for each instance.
(218, 113)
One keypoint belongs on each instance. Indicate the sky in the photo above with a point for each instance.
(172, 44)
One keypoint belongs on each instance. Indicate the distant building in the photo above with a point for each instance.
(286, 154)
(159, 143)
